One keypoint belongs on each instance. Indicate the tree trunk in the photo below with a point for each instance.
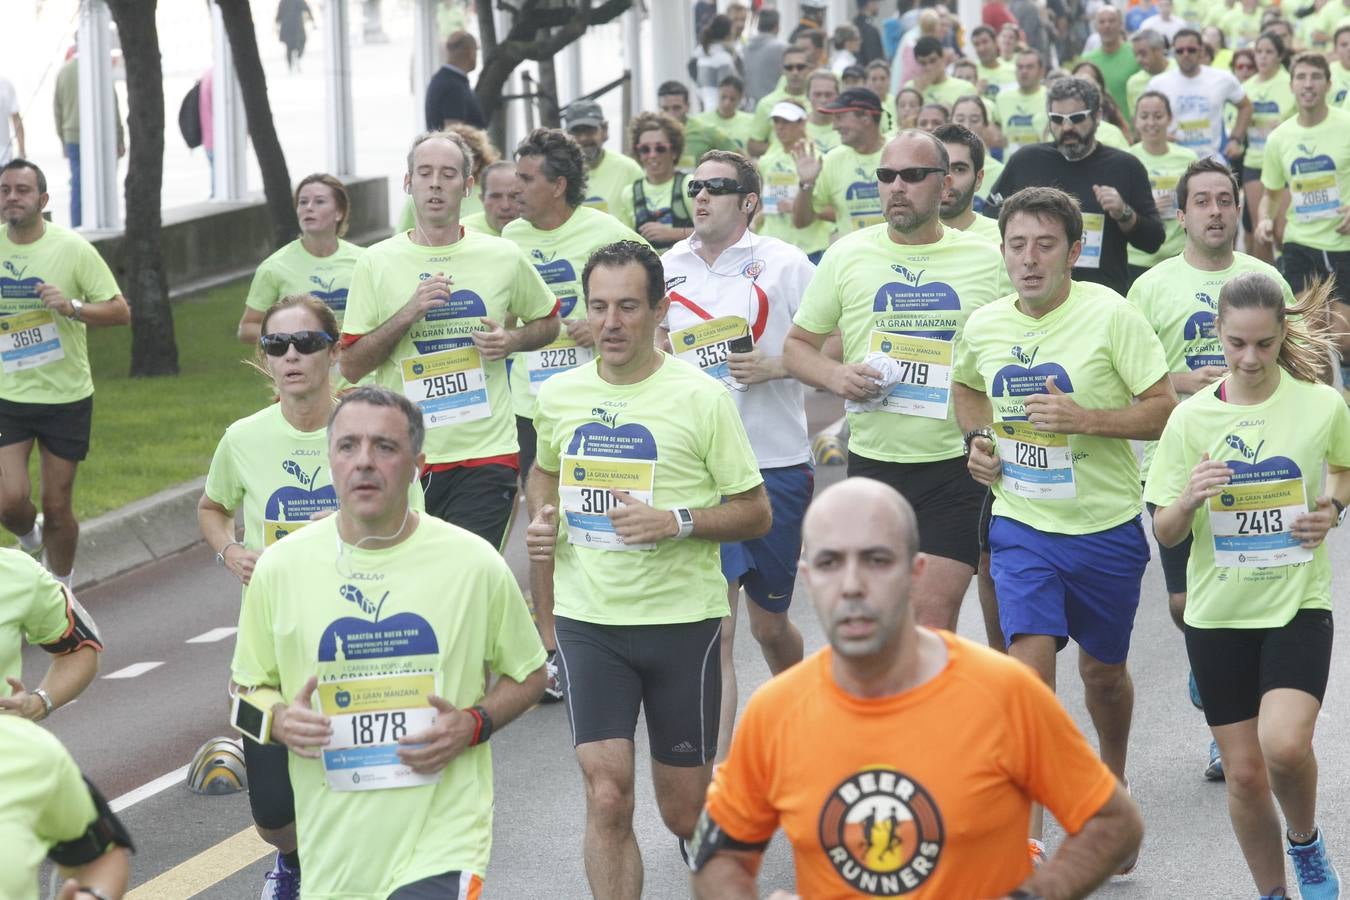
(548, 94)
(538, 30)
(238, 19)
(487, 41)
(153, 350)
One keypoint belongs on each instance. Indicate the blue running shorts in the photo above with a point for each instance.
(767, 567)
(1080, 586)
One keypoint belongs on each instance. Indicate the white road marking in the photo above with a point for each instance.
(210, 637)
(133, 670)
(145, 791)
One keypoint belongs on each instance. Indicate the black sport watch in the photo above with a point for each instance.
(985, 432)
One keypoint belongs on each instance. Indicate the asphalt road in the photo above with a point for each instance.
(126, 732)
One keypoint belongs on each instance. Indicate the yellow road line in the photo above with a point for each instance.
(211, 866)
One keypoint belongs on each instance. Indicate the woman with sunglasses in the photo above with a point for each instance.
(274, 464)
(319, 262)
(1165, 163)
(655, 206)
(1272, 102)
(1240, 468)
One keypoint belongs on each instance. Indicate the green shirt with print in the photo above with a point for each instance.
(848, 183)
(293, 270)
(44, 356)
(867, 283)
(1272, 105)
(1288, 436)
(778, 172)
(1099, 349)
(1164, 172)
(610, 180)
(33, 610)
(1023, 118)
(1314, 164)
(688, 453)
(468, 411)
(398, 620)
(947, 91)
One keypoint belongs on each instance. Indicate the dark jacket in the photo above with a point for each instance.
(449, 97)
(871, 41)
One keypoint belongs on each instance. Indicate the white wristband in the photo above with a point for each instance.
(684, 520)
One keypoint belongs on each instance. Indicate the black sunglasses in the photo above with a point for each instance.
(794, 67)
(912, 175)
(306, 342)
(1075, 118)
(717, 187)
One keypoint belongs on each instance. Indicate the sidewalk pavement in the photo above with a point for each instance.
(139, 533)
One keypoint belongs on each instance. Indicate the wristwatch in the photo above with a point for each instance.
(969, 436)
(1340, 512)
(684, 519)
(47, 704)
(1126, 215)
(77, 310)
(220, 557)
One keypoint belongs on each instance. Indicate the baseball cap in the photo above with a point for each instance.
(583, 114)
(854, 100)
(787, 111)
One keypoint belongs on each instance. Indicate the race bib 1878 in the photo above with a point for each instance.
(369, 717)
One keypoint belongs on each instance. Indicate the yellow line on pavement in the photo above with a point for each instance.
(190, 878)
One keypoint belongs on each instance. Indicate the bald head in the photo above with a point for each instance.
(862, 499)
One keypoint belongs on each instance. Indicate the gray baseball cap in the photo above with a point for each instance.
(583, 114)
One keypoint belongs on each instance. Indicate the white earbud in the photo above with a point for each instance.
(415, 475)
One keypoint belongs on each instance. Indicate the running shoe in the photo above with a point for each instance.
(553, 691)
(1214, 770)
(1317, 877)
(282, 883)
(1195, 694)
(1036, 849)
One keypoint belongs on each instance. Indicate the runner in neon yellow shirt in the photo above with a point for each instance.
(844, 180)
(993, 71)
(319, 262)
(1165, 163)
(53, 284)
(50, 814)
(672, 97)
(36, 609)
(608, 174)
(822, 90)
(1340, 71)
(1049, 408)
(446, 345)
(1239, 470)
(932, 79)
(1022, 112)
(1178, 296)
(389, 753)
(899, 293)
(274, 466)
(500, 195)
(728, 117)
(793, 85)
(1150, 52)
(631, 494)
(1308, 157)
(778, 171)
(1272, 104)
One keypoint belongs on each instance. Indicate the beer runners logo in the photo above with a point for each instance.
(882, 832)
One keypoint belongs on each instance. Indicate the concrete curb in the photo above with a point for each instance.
(139, 533)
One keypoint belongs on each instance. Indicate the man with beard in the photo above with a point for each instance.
(607, 174)
(900, 293)
(1111, 186)
(966, 152)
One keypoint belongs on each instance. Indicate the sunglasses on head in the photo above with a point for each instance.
(306, 342)
(716, 187)
(1075, 118)
(911, 175)
(649, 149)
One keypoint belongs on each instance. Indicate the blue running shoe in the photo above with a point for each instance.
(1214, 771)
(282, 883)
(1195, 694)
(1317, 878)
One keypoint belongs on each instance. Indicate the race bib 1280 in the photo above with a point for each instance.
(1036, 464)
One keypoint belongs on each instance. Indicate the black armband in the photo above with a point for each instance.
(80, 629)
(104, 832)
(709, 840)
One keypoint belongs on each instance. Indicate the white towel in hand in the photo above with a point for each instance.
(890, 376)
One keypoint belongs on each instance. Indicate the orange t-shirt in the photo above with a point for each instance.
(924, 794)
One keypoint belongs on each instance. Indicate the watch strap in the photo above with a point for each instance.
(46, 698)
(684, 520)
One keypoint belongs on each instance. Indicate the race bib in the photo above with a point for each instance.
(1316, 196)
(1193, 133)
(1036, 464)
(925, 367)
(369, 716)
(29, 340)
(780, 192)
(708, 345)
(1165, 196)
(1251, 524)
(585, 493)
(1093, 225)
(448, 386)
(559, 356)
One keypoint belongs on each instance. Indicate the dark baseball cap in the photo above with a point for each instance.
(583, 114)
(854, 100)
